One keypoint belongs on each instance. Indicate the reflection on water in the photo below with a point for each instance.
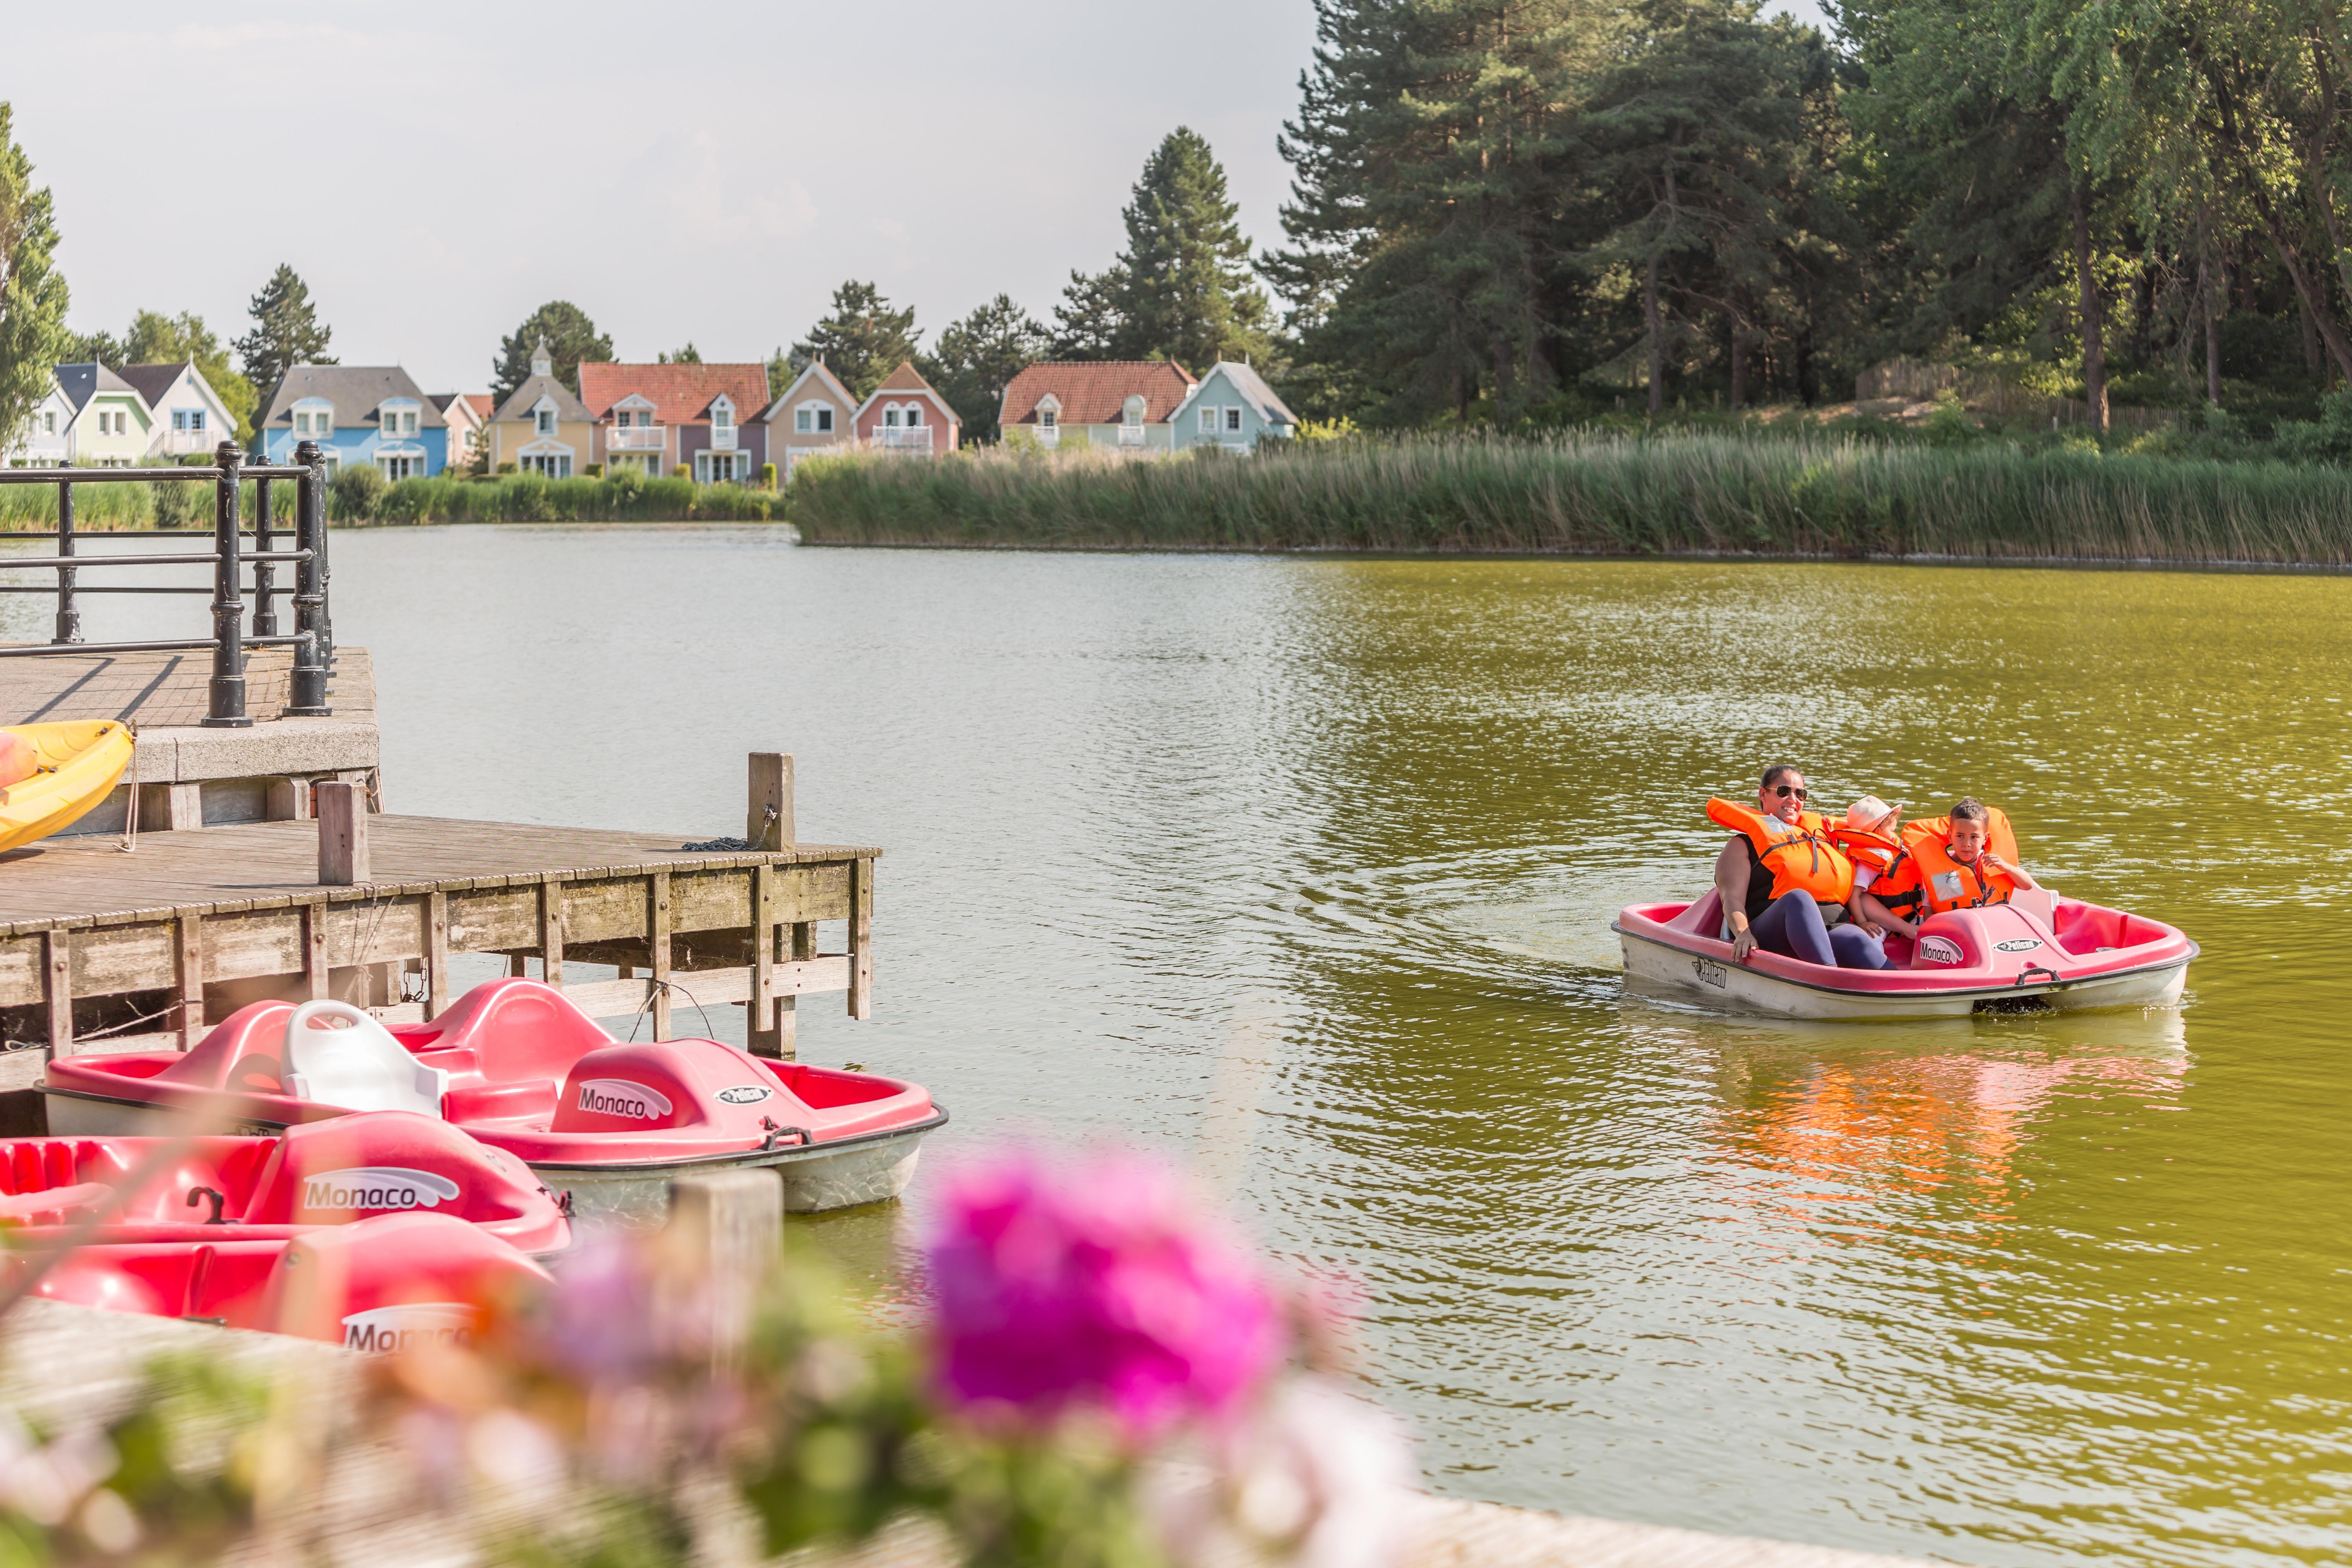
(1304, 867)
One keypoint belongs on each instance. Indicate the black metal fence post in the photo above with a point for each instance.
(309, 691)
(265, 576)
(227, 710)
(68, 612)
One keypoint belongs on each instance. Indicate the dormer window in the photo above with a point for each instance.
(722, 415)
(1133, 412)
(546, 421)
(1048, 419)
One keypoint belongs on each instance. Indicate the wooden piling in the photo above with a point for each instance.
(342, 835)
(770, 1024)
(768, 813)
(724, 1233)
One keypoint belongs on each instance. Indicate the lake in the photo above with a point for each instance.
(1302, 868)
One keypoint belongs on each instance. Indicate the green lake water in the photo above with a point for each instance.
(1302, 869)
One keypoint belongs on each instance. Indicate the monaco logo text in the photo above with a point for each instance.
(376, 1187)
(619, 1097)
(387, 1330)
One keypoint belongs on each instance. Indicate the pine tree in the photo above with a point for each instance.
(978, 355)
(1091, 321)
(286, 331)
(32, 290)
(571, 336)
(686, 355)
(157, 339)
(861, 339)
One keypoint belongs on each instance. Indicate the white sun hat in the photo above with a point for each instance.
(1869, 812)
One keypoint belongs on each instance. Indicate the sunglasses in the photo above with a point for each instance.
(1784, 792)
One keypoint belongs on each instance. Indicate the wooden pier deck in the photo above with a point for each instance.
(192, 925)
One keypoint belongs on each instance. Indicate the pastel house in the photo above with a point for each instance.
(660, 417)
(359, 414)
(815, 413)
(1102, 403)
(541, 428)
(467, 415)
(1233, 408)
(906, 417)
(108, 424)
(190, 419)
(47, 438)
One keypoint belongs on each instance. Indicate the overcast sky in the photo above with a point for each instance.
(701, 172)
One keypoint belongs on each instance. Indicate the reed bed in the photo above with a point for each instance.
(1600, 494)
(522, 499)
(128, 506)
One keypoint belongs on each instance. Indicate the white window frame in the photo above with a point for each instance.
(542, 419)
(1131, 412)
(1233, 420)
(722, 415)
(1208, 420)
(914, 416)
(889, 416)
(412, 465)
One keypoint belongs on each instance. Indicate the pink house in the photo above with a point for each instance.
(906, 417)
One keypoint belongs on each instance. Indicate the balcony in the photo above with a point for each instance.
(903, 439)
(179, 443)
(636, 439)
(1130, 435)
(722, 437)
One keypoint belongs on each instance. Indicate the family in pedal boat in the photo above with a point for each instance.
(1796, 884)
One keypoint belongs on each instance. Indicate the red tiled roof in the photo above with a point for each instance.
(479, 402)
(681, 394)
(1095, 392)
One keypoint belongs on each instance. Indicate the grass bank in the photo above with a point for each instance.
(1601, 494)
(360, 495)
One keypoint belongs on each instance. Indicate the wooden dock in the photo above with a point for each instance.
(104, 948)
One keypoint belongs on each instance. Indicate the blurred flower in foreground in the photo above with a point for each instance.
(1103, 1282)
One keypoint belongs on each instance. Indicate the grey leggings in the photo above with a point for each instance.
(1793, 928)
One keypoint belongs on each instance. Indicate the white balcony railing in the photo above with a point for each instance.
(1049, 435)
(180, 442)
(1130, 435)
(635, 438)
(722, 437)
(903, 439)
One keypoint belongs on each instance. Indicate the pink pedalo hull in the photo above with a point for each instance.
(520, 1069)
(2041, 949)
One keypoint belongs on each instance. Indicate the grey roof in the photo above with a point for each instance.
(355, 390)
(83, 381)
(526, 397)
(153, 380)
(1252, 385)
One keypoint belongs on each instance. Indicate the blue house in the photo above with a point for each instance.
(360, 414)
(1232, 407)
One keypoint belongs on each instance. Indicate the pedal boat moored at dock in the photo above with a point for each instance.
(2040, 950)
(521, 1069)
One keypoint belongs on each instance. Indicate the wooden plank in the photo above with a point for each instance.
(760, 1025)
(605, 908)
(318, 976)
(386, 929)
(124, 958)
(493, 919)
(183, 808)
(709, 901)
(256, 942)
(551, 931)
(657, 944)
(20, 972)
(711, 987)
(188, 945)
(818, 892)
(861, 941)
(768, 806)
(343, 859)
(437, 954)
(56, 968)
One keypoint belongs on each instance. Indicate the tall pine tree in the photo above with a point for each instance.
(572, 337)
(861, 339)
(32, 290)
(978, 355)
(286, 331)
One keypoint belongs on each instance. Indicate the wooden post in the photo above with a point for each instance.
(436, 953)
(658, 944)
(183, 808)
(188, 952)
(768, 813)
(342, 835)
(861, 940)
(318, 979)
(57, 976)
(725, 1233)
(551, 931)
(760, 1024)
(289, 800)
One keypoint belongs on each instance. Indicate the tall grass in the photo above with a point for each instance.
(1603, 494)
(185, 503)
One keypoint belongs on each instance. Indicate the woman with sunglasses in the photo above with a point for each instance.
(1784, 884)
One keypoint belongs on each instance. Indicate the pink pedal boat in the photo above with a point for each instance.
(521, 1069)
(2038, 951)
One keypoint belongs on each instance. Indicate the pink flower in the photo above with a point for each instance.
(1100, 1283)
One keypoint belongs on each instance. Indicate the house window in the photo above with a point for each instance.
(1208, 421)
(48, 424)
(722, 415)
(825, 421)
(1233, 419)
(890, 419)
(720, 467)
(196, 422)
(547, 421)
(1133, 412)
(397, 467)
(301, 423)
(1048, 419)
(549, 466)
(804, 422)
(914, 416)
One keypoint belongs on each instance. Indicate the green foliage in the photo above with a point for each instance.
(686, 355)
(860, 339)
(286, 331)
(571, 336)
(133, 507)
(623, 495)
(1181, 290)
(978, 355)
(157, 339)
(33, 295)
(1843, 495)
(100, 347)
(355, 491)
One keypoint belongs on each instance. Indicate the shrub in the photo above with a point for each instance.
(767, 476)
(507, 468)
(355, 491)
(594, 470)
(679, 472)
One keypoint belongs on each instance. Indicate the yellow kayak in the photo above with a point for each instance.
(81, 764)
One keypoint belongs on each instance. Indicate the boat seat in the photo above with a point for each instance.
(337, 1054)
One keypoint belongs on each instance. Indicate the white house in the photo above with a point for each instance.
(46, 441)
(190, 417)
(1232, 407)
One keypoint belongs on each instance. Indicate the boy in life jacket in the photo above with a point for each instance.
(1784, 885)
(1954, 863)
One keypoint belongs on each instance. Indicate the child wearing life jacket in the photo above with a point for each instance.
(1783, 884)
(1872, 837)
(1963, 861)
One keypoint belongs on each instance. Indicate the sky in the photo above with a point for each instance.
(704, 173)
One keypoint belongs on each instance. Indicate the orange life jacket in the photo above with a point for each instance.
(1946, 883)
(1865, 847)
(1798, 854)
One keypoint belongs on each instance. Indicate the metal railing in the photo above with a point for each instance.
(903, 439)
(312, 639)
(635, 438)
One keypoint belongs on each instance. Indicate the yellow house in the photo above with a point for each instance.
(541, 428)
